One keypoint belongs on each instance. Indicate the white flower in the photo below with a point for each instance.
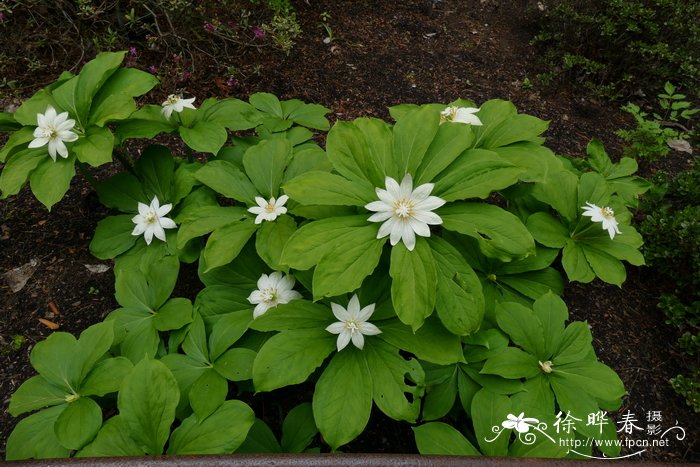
(407, 212)
(521, 424)
(150, 220)
(268, 210)
(604, 215)
(176, 103)
(272, 291)
(460, 115)
(353, 324)
(54, 130)
(546, 366)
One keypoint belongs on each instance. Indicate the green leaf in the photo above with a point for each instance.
(268, 103)
(271, 239)
(559, 191)
(50, 180)
(207, 393)
(26, 114)
(18, 139)
(204, 136)
(512, 363)
(345, 265)
(594, 378)
(174, 314)
(207, 219)
(349, 152)
(413, 134)
(514, 129)
(155, 167)
(597, 157)
(34, 437)
(440, 397)
(112, 440)
(310, 242)
(552, 314)
(19, 168)
(575, 264)
(297, 314)
(342, 401)
(439, 438)
(450, 141)
(123, 191)
(298, 428)
(128, 81)
(260, 440)
(233, 114)
(379, 149)
(93, 343)
(607, 268)
(490, 410)
(414, 282)
(265, 163)
(460, 300)
(227, 331)
(523, 327)
(547, 230)
(575, 344)
(113, 237)
(95, 148)
(91, 78)
(500, 234)
(147, 402)
(432, 342)
(475, 174)
(236, 364)
(309, 115)
(220, 433)
(132, 290)
(536, 160)
(55, 360)
(397, 383)
(227, 179)
(106, 377)
(114, 107)
(290, 357)
(226, 242)
(323, 188)
(79, 423)
(195, 343)
(36, 393)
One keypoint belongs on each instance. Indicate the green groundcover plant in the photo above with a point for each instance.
(411, 267)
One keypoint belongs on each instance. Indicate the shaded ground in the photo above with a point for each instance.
(382, 55)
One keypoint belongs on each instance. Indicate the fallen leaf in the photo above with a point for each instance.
(680, 145)
(53, 308)
(17, 278)
(49, 324)
(97, 268)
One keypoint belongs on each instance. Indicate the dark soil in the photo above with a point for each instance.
(384, 53)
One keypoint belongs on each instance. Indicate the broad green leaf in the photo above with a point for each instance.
(36, 393)
(514, 129)
(195, 343)
(236, 364)
(475, 174)
(147, 402)
(151, 125)
(594, 378)
(309, 115)
(112, 440)
(227, 331)
(19, 168)
(207, 219)
(106, 377)
(113, 237)
(552, 314)
(323, 188)
(512, 363)
(450, 141)
(547, 230)
(290, 357)
(174, 314)
(26, 114)
(217, 300)
(226, 242)
(132, 290)
(34, 437)
(342, 401)
(135, 333)
(397, 383)
(440, 398)
(91, 78)
(575, 344)
(220, 433)
(265, 163)
(378, 135)
(233, 114)
(413, 134)
(460, 300)
(78, 424)
(523, 327)
(490, 410)
(227, 179)
(123, 191)
(414, 282)
(306, 160)
(500, 234)
(559, 191)
(298, 428)
(439, 438)
(128, 81)
(534, 284)
(95, 148)
(575, 264)
(207, 393)
(597, 157)
(345, 265)
(114, 107)
(607, 268)
(267, 103)
(536, 160)
(349, 152)
(155, 167)
(56, 359)
(204, 136)
(297, 314)
(310, 242)
(432, 342)
(65, 95)
(271, 239)
(260, 440)
(17, 140)
(51, 180)
(186, 371)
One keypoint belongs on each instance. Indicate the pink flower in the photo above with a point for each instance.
(258, 32)
(209, 27)
(153, 69)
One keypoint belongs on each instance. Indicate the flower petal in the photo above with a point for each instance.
(369, 329)
(358, 340)
(336, 328)
(343, 340)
